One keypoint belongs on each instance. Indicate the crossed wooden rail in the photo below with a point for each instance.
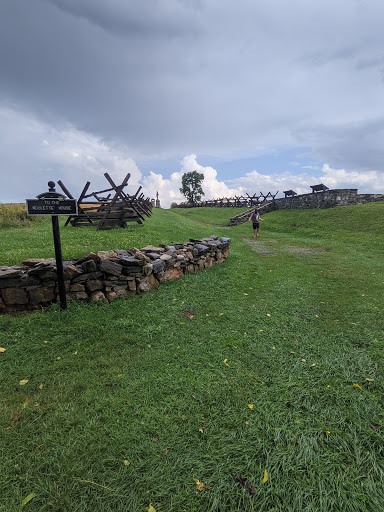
(112, 210)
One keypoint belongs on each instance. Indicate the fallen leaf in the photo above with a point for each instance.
(244, 483)
(201, 430)
(247, 422)
(221, 314)
(126, 462)
(154, 439)
(356, 386)
(370, 380)
(199, 485)
(28, 498)
(314, 364)
(75, 353)
(250, 487)
(327, 431)
(2, 349)
(268, 314)
(165, 451)
(23, 382)
(151, 509)
(265, 477)
(226, 362)
(245, 293)
(41, 386)
(250, 406)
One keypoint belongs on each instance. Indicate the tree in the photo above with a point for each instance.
(191, 186)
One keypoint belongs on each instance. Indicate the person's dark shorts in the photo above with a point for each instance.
(256, 225)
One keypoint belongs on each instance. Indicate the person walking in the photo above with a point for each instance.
(255, 218)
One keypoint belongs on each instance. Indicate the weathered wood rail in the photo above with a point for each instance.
(112, 210)
(231, 202)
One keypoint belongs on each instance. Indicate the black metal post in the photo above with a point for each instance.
(58, 255)
(59, 262)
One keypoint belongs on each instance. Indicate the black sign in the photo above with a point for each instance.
(47, 205)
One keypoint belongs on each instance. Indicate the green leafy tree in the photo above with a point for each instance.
(191, 186)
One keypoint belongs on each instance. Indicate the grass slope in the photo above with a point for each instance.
(271, 361)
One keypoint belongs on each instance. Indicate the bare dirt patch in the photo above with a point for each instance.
(273, 247)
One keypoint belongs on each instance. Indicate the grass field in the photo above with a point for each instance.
(269, 365)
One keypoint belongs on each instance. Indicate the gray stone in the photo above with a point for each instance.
(88, 266)
(42, 295)
(107, 254)
(98, 296)
(147, 284)
(94, 285)
(153, 249)
(78, 287)
(129, 261)
(11, 272)
(119, 287)
(130, 271)
(147, 269)
(86, 277)
(31, 262)
(110, 267)
(158, 266)
(115, 283)
(202, 249)
(22, 282)
(13, 296)
(71, 271)
(153, 255)
(142, 257)
(89, 256)
(121, 252)
(76, 296)
(111, 296)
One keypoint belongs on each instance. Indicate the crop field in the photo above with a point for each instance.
(256, 385)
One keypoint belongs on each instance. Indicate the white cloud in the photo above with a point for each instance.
(366, 182)
(168, 188)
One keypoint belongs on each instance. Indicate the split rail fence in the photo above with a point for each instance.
(112, 207)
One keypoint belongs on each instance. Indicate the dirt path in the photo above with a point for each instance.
(273, 247)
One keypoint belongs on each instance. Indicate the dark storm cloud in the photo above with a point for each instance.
(165, 79)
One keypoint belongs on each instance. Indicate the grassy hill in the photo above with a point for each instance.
(269, 365)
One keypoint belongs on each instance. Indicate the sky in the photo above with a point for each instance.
(258, 95)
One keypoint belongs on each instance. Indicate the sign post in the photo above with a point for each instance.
(53, 203)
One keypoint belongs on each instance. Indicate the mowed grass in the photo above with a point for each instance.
(270, 364)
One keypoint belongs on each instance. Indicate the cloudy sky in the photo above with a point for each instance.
(259, 95)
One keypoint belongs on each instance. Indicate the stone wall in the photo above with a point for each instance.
(327, 199)
(107, 275)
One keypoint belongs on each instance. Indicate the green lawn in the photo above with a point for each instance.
(270, 364)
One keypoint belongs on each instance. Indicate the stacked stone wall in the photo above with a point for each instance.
(326, 199)
(107, 275)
